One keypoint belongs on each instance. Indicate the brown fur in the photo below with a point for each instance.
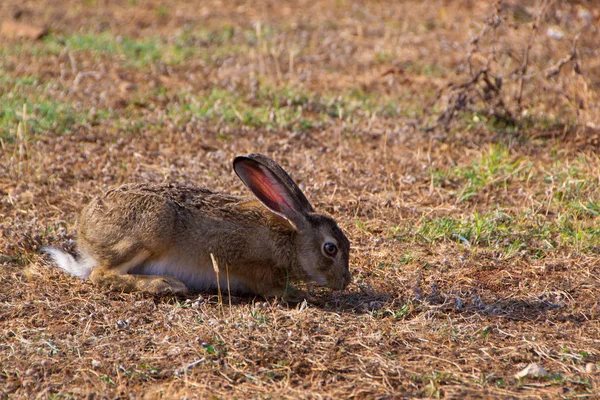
(135, 230)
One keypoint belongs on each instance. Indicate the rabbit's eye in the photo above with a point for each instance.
(330, 248)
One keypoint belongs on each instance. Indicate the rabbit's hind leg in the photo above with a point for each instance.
(117, 278)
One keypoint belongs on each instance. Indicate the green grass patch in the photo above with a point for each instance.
(418, 68)
(493, 168)
(42, 116)
(489, 230)
(562, 207)
(272, 108)
(510, 126)
(189, 43)
(23, 101)
(134, 52)
(513, 234)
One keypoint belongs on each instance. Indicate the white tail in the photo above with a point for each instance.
(80, 268)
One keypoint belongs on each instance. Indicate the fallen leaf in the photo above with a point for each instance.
(22, 30)
(533, 371)
(590, 368)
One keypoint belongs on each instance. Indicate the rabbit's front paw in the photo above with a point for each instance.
(166, 284)
(294, 296)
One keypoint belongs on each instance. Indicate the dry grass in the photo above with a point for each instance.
(472, 209)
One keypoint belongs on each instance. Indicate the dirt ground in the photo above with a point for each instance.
(455, 142)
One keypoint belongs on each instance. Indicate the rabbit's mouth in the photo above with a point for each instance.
(321, 280)
(317, 277)
(338, 283)
(325, 273)
(335, 282)
(341, 284)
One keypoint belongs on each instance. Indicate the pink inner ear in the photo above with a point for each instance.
(266, 186)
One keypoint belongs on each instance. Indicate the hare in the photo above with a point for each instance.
(161, 238)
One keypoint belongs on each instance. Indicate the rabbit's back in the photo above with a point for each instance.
(153, 215)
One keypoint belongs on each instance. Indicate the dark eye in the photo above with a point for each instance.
(330, 249)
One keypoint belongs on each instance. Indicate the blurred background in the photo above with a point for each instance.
(455, 142)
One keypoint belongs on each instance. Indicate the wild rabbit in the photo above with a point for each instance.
(160, 238)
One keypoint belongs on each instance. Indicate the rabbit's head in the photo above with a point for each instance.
(322, 249)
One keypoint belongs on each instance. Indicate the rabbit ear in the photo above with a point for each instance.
(273, 187)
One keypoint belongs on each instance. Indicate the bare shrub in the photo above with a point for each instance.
(512, 73)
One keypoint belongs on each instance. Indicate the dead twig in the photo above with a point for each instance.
(555, 69)
(522, 70)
